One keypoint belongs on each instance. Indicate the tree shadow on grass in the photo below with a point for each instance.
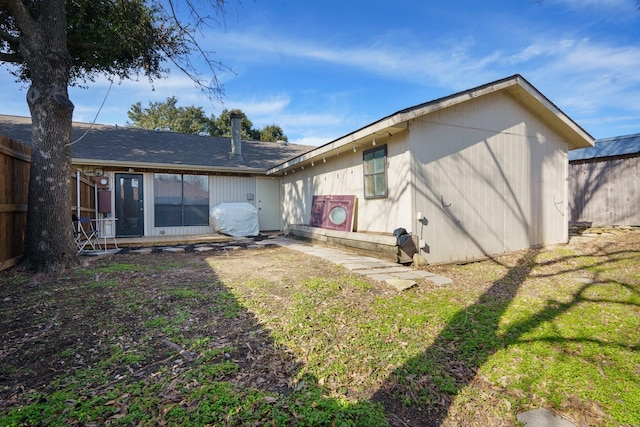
(223, 367)
(154, 339)
(422, 391)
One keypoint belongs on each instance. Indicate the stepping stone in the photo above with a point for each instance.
(172, 249)
(542, 418)
(382, 277)
(413, 274)
(384, 270)
(231, 248)
(203, 248)
(265, 244)
(400, 284)
(142, 251)
(354, 266)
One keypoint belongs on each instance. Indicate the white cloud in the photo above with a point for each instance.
(314, 128)
(582, 75)
(261, 107)
(313, 140)
(408, 62)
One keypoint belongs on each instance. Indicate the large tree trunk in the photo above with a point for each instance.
(49, 241)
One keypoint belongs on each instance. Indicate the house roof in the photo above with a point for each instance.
(516, 86)
(608, 147)
(126, 147)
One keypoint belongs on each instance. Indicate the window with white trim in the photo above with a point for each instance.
(375, 172)
(180, 200)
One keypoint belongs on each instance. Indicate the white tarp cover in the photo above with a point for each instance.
(235, 219)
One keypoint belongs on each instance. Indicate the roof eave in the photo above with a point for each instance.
(361, 138)
(516, 85)
(139, 165)
(540, 105)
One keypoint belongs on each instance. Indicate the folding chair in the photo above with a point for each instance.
(85, 234)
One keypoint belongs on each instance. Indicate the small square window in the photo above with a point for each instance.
(375, 172)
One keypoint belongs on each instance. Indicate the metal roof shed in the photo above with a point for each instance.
(604, 182)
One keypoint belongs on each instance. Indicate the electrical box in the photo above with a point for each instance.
(102, 182)
(104, 201)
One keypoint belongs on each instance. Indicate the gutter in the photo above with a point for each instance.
(129, 164)
(388, 126)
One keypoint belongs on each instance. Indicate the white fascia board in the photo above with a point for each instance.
(450, 101)
(361, 137)
(396, 121)
(200, 168)
(572, 129)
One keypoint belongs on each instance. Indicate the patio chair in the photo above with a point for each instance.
(85, 233)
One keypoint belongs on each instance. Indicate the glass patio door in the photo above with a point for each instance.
(129, 206)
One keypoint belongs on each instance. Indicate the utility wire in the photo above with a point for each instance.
(94, 119)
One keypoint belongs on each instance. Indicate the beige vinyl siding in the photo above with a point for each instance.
(489, 179)
(343, 175)
(231, 189)
(222, 189)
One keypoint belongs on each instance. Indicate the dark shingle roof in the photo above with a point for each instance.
(121, 144)
(608, 147)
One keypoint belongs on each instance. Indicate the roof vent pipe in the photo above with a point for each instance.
(236, 139)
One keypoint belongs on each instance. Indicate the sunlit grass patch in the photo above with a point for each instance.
(301, 343)
(576, 342)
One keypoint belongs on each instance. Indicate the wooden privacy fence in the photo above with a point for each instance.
(15, 163)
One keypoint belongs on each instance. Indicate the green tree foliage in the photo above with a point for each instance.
(193, 120)
(51, 44)
(222, 125)
(272, 132)
(168, 115)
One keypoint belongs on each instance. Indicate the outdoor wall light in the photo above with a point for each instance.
(312, 164)
(354, 148)
(374, 142)
(324, 160)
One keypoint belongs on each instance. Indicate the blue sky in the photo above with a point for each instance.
(322, 69)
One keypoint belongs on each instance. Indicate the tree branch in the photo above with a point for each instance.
(23, 18)
(14, 58)
(9, 38)
(183, 62)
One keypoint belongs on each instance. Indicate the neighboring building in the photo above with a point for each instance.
(604, 182)
(164, 183)
(474, 174)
